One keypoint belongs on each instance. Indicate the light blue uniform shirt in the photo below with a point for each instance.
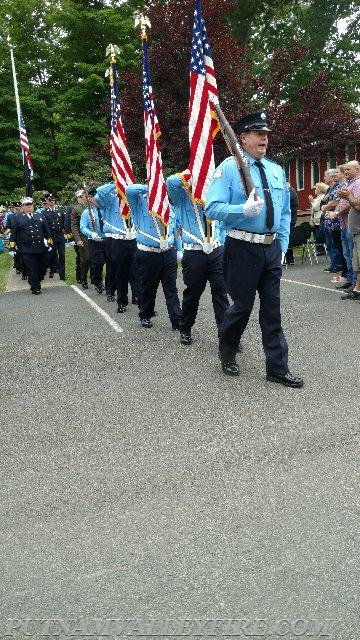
(225, 199)
(185, 214)
(144, 223)
(108, 201)
(86, 227)
(6, 218)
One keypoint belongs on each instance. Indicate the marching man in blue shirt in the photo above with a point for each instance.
(257, 233)
(156, 258)
(123, 247)
(202, 259)
(91, 226)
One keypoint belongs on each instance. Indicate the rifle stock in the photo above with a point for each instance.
(88, 204)
(236, 150)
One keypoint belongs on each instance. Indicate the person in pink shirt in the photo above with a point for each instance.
(352, 175)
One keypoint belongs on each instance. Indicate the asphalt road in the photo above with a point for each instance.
(138, 481)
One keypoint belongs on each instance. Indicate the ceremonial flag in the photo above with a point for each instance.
(158, 201)
(203, 122)
(121, 168)
(24, 143)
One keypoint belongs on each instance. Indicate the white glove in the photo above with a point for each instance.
(45, 242)
(252, 207)
(12, 253)
(179, 255)
(94, 235)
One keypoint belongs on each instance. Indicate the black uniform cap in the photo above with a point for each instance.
(252, 122)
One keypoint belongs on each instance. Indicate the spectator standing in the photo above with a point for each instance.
(315, 206)
(336, 257)
(352, 175)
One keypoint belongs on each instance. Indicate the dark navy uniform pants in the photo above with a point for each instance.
(153, 269)
(109, 274)
(125, 270)
(248, 268)
(98, 254)
(35, 265)
(199, 268)
(57, 258)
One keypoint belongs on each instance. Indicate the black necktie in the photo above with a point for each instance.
(268, 201)
(101, 221)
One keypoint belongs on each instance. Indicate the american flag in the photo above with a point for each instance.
(121, 168)
(24, 143)
(158, 201)
(203, 122)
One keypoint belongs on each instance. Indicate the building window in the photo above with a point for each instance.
(315, 173)
(300, 174)
(350, 152)
(331, 162)
(286, 166)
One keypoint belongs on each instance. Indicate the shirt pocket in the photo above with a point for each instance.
(277, 189)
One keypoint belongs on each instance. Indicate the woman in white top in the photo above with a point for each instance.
(315, 208)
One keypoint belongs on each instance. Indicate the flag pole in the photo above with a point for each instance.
(17, 101)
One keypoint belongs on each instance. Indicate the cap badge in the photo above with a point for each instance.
(263, 116)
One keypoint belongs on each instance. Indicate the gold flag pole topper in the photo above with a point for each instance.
(143, 22)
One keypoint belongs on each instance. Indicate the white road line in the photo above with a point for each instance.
(114, 325)
(314, 286)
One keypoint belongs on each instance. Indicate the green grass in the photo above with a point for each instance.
(6, 263)
(70, 265)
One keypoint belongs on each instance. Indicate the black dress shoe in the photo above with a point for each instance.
(121, 308)
(110, 297)
(145, 322)
(287, 379)
(185, 338)
(36, 292)
(351, 295)
(229, 367)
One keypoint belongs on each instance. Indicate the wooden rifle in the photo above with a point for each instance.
(236, 151)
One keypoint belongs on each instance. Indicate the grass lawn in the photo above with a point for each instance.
(6, 263)
(70, 265)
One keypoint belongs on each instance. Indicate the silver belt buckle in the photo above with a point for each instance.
(257, 238)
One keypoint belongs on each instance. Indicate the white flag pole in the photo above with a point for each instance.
(16, 92)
